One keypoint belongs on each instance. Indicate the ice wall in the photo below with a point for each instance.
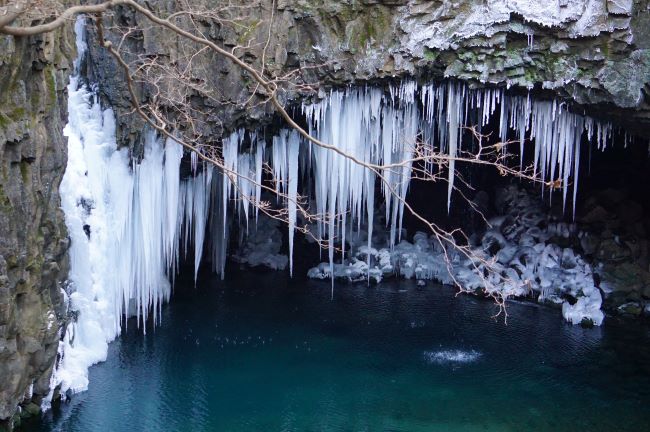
(122, 221)
(128, 222)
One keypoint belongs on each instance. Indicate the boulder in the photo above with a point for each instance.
(595, 215)
(634, 309)
(629, 212)
(610, 250)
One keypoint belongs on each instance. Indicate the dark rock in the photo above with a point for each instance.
(586, 323)
(610, 250)
(632, 309)
(610, 197)
(29, 410)
(33, 238)
(626, 282)
(629, 212)
(596, 215)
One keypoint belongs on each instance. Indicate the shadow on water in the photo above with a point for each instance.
(260, 351)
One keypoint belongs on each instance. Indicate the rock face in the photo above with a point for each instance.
(593, 52)
(33, 240)
(615, 236)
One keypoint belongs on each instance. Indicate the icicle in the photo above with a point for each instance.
(294, 142)
(453, 106)
(259, 161)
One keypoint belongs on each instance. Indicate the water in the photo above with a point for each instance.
(259, 352)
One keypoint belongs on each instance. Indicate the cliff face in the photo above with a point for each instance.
(593, 52)
(33, 241)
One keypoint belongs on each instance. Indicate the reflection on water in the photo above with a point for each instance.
(263, 352)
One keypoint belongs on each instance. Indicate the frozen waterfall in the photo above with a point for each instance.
(131, 221)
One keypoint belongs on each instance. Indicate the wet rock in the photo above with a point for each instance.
(625, 282)
(632, 309)
(596, 215)
(587, 323)
(30, 410)
(611, 250)
(589, 243)
(629, 212)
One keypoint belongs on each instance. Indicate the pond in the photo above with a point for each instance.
(263, 352)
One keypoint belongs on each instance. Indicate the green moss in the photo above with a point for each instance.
(35, 264)
(367, 28)
(16, 114)
(430, 55)
(50, 85)
(24, 171)
(4, 121)
(247, 32)
(12, 261)
(529, 75)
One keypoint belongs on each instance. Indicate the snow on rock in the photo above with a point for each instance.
(449, 24)
(525, 260)
(586, 308)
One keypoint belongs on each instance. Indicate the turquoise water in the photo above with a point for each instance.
(260, 352)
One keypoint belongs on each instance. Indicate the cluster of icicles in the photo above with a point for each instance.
(129, 228)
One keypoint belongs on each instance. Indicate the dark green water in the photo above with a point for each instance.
(259, 352)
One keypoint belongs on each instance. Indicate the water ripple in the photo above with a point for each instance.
(451, 356)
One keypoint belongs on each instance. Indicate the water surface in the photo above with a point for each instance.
(261, 352)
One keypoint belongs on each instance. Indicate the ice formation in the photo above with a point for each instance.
(123, 227)
(526, 260)
(381, 128)
(130, 221)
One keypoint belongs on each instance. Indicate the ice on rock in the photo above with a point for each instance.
(586, 308)
(527, 261)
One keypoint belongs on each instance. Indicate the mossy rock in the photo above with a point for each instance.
(32, 409)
